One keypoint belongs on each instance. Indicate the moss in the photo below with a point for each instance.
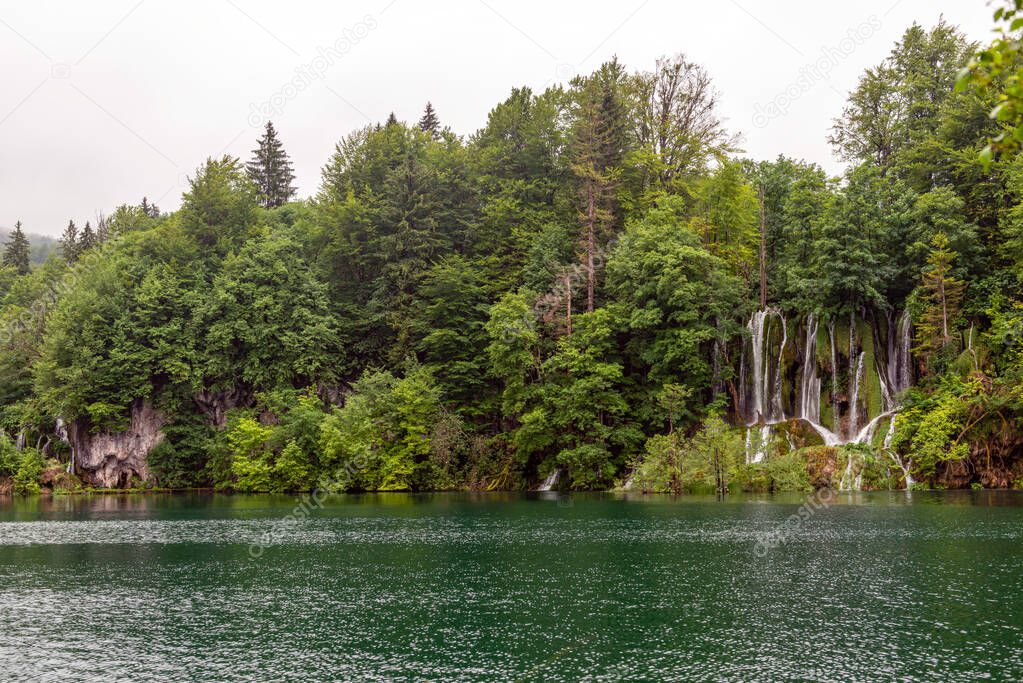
(801, 434)
(877, 474)
(821, 463)
(823, 345)
(780, 472)
(827, 408)
(877, 440)
(870, 390)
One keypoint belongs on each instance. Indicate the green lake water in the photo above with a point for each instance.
(512, 587)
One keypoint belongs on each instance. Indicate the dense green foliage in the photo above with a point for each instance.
(563, 290)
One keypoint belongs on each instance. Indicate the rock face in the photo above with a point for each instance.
(215, 404)
(114, 460)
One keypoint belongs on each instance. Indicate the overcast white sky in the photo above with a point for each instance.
(104, 102)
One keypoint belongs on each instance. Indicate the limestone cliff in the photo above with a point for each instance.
(114, 460)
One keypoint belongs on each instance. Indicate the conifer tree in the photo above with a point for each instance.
(594, 166)
(151, 210)
(69, 244)
(16, 251)
(271, 170)
(942, 296)
(102, 228)
(430, 123)
(392, 120)
(88, 239)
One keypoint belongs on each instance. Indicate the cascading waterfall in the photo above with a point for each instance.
(757, 451)
(810, 385)
(856, 375)
(60, 429)
(760, 379)
(834, 378)
(777, 409)
(765, 388)
(887, 446)
(898, 373)
(551, 481)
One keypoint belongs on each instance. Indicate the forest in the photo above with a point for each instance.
(595, 290)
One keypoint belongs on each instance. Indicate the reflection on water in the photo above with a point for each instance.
(503, 586)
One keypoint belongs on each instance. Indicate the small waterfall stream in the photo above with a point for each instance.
(810, 384)
(60, 429)
(551, 481)
(856, 380)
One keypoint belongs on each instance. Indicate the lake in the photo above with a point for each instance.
(196, 587)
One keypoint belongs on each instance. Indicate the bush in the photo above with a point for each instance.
(26, 478)
(179, 460)
(381, 439)
(712, 456)
(10, 458)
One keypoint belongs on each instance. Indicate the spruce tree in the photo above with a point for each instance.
(271, 171)
(942, 296)
(69, 244)
(430, 123)
(596, 174)
(88, 240)
(392, 120)
(16, 251)
(151, 210)
(102, 228)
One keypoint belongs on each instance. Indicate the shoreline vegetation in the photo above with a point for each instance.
(594, 291)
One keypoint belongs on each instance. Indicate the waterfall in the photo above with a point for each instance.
(810, 386)
(759, 450)
(777, 408)
(900, 364)
(550, 481)
(20, 443)
(834, 378)
(866, 435)
(60, 429)
(756, 328)
(854, 393)
(887, 446)
(890, 435)
(846, 483)
(761, 380)
(763, 393)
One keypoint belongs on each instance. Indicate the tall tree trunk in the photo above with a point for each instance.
(763, 252)
(568, 303)
(944, 312)
(591, 245)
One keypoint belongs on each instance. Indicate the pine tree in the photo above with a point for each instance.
(430, 123)
(594, 169)
(392, 120)
(16, 251)
(69, 244)
(88, 240)
(942, 295)
(271, 170)
(102, 228)
(151, 210)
